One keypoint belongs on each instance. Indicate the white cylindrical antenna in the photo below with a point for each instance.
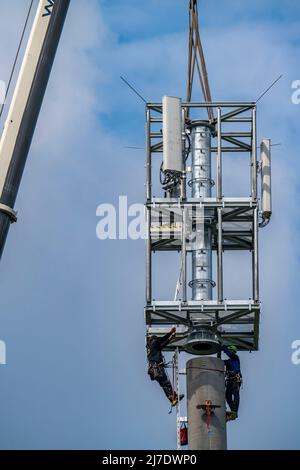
(266, 199)
(172, 134)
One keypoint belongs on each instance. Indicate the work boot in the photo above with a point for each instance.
(175, 401)
(231, 415)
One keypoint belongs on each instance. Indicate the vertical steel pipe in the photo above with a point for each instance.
(183, 178)
(255, 256)
(201, 188)
(220, 256)
(148, 257)
(254, 155)
(183, 254)
(148, 212)
(219, 156)
(148, 157)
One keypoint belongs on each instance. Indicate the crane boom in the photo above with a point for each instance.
(26, 104)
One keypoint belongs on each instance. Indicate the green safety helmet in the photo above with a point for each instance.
(233, 348)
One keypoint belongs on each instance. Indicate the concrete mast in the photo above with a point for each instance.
(207, 422)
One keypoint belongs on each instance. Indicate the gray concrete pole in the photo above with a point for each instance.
(205, 381)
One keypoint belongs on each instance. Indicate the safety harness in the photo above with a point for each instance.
(230, 376)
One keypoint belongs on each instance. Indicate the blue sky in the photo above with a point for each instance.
(71, 306)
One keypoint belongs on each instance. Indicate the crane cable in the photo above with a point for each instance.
(195, 50)
(16, 57)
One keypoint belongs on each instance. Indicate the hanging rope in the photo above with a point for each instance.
(179, 283)
(173, 378)
(16, 57)
(196, 60)
(173, 364)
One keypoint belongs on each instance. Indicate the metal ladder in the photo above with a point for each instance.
(179, 419)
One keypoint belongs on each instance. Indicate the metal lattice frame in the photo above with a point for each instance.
(234, 223)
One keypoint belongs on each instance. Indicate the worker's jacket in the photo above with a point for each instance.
(154, 348)
(233, 367)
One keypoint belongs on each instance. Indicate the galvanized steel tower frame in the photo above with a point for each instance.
(232, 222)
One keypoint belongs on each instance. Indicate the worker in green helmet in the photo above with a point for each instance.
(233, 380)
